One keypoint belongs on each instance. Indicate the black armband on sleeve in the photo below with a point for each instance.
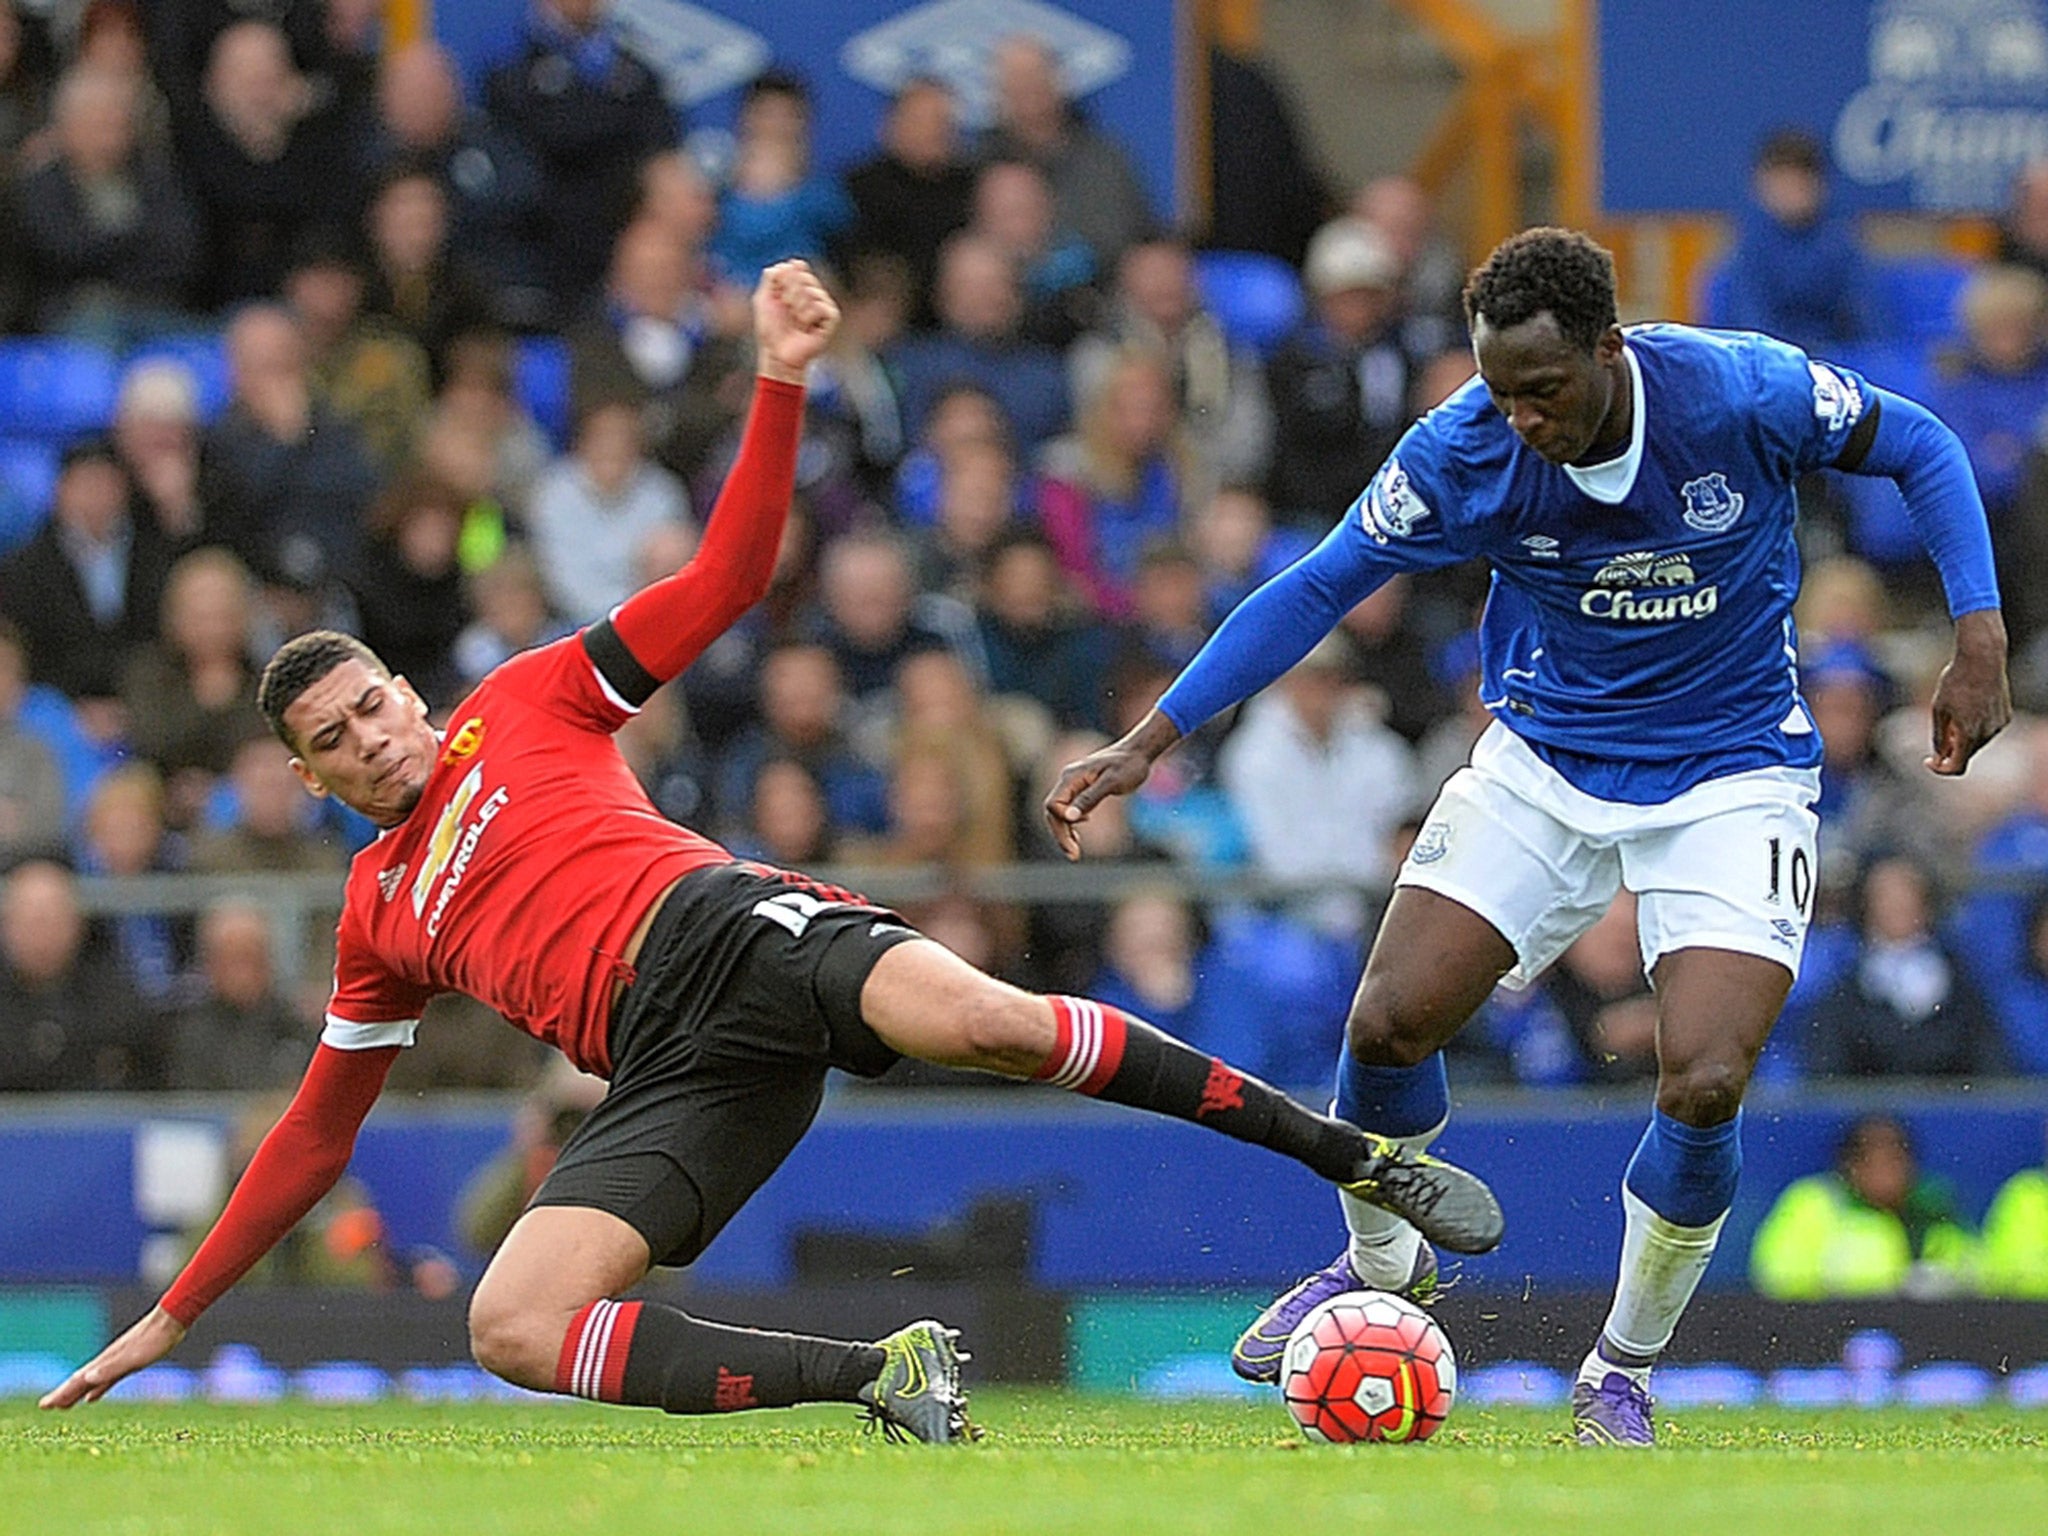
(1857, 447)
(619, 666)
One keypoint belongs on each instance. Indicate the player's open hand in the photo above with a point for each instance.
(794, 318)
(1972, 701)
(144, 1344)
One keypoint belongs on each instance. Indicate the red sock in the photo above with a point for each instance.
(1088, 1048)
(593, 1360)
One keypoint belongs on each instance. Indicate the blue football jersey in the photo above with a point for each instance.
(1638, 632)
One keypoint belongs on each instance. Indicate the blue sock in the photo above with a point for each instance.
(1684, 1173)
(1393, 1101)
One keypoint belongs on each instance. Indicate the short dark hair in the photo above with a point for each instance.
(1795, 149)
(1555, 270)
(300, 663)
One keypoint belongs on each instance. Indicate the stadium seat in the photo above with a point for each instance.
(205, 354)
(1256, 298)
(540, 377)
(1916, 295)
(55, 389)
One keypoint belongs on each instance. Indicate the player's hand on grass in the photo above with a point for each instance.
(1116, 769)
(1972, 701)
(144, 1344)
(794, 318)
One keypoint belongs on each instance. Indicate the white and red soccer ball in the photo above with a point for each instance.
(1368, 1366)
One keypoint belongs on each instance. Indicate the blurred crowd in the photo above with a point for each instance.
(456, 364)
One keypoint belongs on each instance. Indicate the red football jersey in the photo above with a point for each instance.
(520, 875)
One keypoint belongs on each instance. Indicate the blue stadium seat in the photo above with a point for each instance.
(540, 377)
(28, 477)
(1916, 295)
(55, 389)
(1256, 298)
(205, 354)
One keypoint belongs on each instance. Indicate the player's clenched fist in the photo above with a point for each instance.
(794, 318)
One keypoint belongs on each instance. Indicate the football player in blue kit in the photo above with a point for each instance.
(1632, 491)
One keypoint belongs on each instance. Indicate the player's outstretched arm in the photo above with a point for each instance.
(298, 1162)
(661, 629)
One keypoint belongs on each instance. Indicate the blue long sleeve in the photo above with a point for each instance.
(1277, 625)
(1916, 448)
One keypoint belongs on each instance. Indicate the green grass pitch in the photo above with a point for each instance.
(1053, 1462)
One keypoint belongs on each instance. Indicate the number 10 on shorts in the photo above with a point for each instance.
(1799, 875)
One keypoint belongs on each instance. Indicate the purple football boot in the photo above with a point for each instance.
(1256, 1356)
(1617, 1412)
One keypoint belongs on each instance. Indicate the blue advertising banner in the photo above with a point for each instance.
(1119, 57)
(1927, 105)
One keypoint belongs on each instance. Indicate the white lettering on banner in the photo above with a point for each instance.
(952, 40)
(695, 53)
(464, 852)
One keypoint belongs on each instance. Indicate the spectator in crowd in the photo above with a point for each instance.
(492, 185)
(1796, 270)
(963, 416)
(109, 242)
(124, 835)
(182, 37)
(1153, 966)
(419, 284)
(265, 160)
(238, 1034)
(930, 820)
(788, 822)
(1432, 271)
(2023, 230)
(191, 694)
(71, 1021)
(1117, 483)
(1447, 745)
(1220, 394)
(1319, 784)
(1599, 987)
(363, 369)
(977, 506)
(775, 203)
(1876, 1226)
(658, 341)
(594, 507)
(2013, 1260)
(1391, 658)
(2017, 986)
(1233, 536)
(510, 605)
(853, 422)
(1169, 616)
(803, 721)
(980, 307)
(266, 824)
(495, 1196)
(588, 110)
(24, 87)
(285, 481)
(88, 587)
(156, 433)
(940, 711)
(1993, 388)
(916, 190)
(408, 583)
(1038, 644)
(1866, 806)
(478, 395)
(112, 40)
(31, 781)
(1993, 924)
(871, 617)
(1095, 189)
(676, 195)
(1266, 192)
(1013, 210)
(1341, 385)
(1907, 1008)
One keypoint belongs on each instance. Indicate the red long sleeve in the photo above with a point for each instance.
(298, 1162)
(668, 624)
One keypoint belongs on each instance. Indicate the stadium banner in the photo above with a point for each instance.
(1925, 105)
(1122, 60)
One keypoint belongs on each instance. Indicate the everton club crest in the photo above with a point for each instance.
(1709, 505)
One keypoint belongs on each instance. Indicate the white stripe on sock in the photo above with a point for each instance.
(590, 1360)
(1084, 1043)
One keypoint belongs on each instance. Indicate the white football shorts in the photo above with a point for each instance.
(1729, 864)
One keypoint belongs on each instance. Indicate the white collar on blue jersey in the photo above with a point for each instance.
(1611, 481)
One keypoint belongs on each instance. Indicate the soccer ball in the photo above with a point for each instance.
(1368, 1366)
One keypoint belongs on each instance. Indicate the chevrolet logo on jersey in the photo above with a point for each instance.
(1675, 594)
(441, 846)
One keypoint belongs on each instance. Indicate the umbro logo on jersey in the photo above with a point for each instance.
(1541, 546)
(1709, 505)
(389, 880)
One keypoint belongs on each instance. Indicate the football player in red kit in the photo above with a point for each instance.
(519, 862)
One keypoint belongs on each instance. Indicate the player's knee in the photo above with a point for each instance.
(513, 1342)
(1702, 1093)
(1377, 1035)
